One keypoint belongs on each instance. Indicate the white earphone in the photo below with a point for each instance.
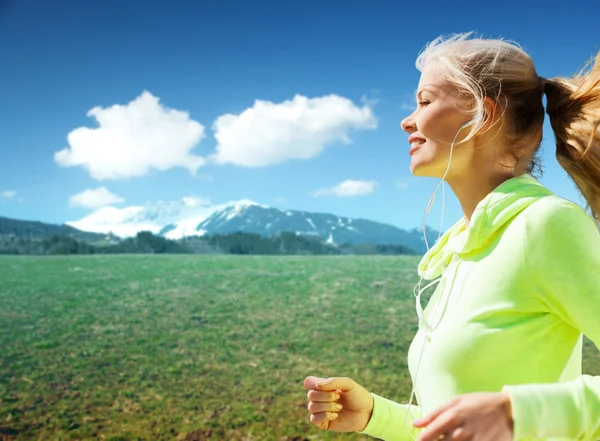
(467, 124)
(432, 198)
(423, 324)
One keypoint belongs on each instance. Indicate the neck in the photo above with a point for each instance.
(471, 190)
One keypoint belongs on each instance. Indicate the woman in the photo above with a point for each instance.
(498, 353)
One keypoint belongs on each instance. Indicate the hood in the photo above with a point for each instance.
(491, 214)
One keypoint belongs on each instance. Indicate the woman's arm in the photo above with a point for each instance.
(387, 420)
(563, 250)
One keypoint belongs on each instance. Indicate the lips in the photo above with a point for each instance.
(416, 143)
(414, 148)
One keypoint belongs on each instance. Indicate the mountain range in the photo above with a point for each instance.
(180, 219)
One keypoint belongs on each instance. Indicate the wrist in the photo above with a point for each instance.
(507, 407)
(369, 411)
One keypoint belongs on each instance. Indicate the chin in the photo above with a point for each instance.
(425, 170)
(418, 168)
(421, 163)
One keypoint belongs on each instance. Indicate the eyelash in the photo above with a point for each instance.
(423, 103)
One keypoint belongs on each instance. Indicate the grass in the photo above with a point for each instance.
(188, 348)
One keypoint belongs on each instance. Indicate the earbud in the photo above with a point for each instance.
(467, 124)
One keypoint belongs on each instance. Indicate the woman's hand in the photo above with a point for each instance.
(478, 416)
(338, 403)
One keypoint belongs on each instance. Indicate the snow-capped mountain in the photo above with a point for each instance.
(192, 226)
(175, 220)
(179, 218)
(253, 218)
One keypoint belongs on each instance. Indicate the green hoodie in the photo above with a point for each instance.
(518, 289)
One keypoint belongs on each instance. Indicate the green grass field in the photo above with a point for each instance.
(195, 347)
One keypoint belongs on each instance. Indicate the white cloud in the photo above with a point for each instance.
(132, 139)
(408, 105)
(372, 100)
(401, 184)
(97, 198)
(8, 194)
(204, 178)
(348, 188)
(193, 201)
(271, 133)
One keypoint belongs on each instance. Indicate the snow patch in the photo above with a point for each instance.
(123, 222)
(330, 239)
(186, 227)
(237, 208)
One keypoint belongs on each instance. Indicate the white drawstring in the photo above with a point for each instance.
(420, 311)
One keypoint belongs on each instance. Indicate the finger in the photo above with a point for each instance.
(422, 422)
(446, 423)
(315, 395)
(309, 382)
(459, 434)
(335, 383)
(320, 419)
(323, 407)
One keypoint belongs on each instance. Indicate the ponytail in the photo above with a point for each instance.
(573, 105)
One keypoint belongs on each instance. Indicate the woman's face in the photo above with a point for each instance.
(433, 126)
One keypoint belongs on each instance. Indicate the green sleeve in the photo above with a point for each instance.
(387, 420)
(563, 248)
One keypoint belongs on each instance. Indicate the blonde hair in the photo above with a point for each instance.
(498, 69)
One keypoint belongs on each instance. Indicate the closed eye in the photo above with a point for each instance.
(423, 103)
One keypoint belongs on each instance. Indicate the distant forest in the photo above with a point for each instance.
(286, 243)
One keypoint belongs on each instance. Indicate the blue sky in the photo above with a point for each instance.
(300, 97)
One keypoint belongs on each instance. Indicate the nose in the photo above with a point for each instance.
(408, 124)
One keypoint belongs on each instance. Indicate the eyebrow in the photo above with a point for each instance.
(427, 88)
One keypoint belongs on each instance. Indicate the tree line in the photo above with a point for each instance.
(286, 243)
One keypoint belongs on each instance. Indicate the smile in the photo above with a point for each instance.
(415, 146)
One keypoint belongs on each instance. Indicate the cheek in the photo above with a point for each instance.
(439, 124)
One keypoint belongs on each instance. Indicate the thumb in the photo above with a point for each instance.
(335, 383)
(424, 421)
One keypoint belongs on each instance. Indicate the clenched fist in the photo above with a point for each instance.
(338, 404)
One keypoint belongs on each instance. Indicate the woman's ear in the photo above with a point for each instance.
(490, 113)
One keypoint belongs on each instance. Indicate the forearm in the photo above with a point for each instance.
(388, 420)
(557, 410)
